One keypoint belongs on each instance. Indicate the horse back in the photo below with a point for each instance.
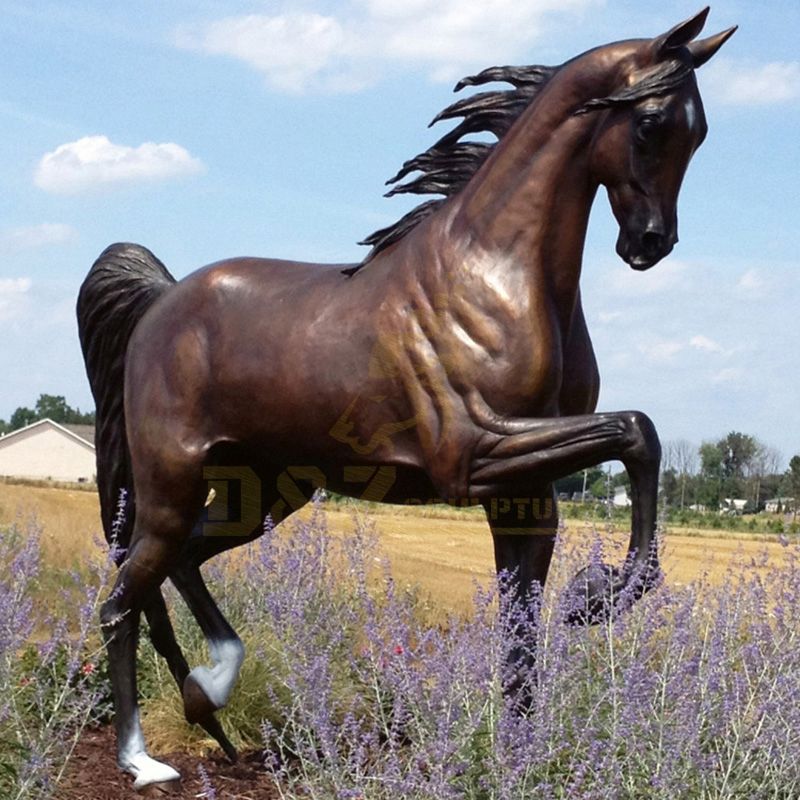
(273, 355)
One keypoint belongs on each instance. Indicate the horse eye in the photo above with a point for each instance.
(646, 125)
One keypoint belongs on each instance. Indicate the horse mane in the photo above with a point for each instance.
(447, 166)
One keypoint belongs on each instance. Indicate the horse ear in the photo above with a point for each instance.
(681, 34)
(703, 49)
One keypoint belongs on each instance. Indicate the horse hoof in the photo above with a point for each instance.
(212, 726)
(197, 705)
(151, 774)
(592, 594)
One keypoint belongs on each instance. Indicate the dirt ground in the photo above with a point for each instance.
(93, 774)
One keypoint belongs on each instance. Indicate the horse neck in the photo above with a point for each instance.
(531, 200)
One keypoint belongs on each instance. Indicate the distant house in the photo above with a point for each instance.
(48, 451)
(732, 506)
(778, 504)
(621, 499)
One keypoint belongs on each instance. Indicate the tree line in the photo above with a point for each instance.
(737, 466)
(48, 406)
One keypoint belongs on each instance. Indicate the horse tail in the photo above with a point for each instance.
(121, 285)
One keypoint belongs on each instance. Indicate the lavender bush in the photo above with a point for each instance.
(50, 681)
(692, 693)
(353, 692)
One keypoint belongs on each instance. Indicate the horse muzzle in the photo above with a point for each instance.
(643, 250)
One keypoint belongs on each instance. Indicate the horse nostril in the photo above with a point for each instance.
(652, 242)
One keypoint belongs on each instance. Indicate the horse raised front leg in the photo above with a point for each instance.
(552, 448)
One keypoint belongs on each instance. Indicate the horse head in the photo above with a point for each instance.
(653, 123)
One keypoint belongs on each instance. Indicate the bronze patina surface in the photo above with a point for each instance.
(453, 364)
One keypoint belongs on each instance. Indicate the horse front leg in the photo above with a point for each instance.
(524, 526)
(549, 449)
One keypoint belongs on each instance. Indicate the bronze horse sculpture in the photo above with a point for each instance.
(453, 364)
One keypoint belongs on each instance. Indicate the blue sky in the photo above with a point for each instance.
(211, 129)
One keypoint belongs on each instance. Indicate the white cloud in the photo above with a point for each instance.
(12, 296)
(728, 375)
(298, 50)
(12, 286)
(94, 162)
(705, 344)
(745, 83)
(661, 350)
(605, 317)
(289, 49)
(751, 282)
(31, 237)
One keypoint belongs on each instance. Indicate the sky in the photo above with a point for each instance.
(210, 129)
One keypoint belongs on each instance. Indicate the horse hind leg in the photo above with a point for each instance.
(162, 635)
(160, 531)
(206, 689)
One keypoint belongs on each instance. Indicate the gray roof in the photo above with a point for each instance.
(86, 432)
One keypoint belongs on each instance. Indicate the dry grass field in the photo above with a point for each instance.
(444, 554)
(70, 519)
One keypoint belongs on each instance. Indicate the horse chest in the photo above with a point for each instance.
(510, 348)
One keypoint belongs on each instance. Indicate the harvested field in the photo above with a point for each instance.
(442, 551)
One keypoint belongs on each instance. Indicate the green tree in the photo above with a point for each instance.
(21, 417)
(737, 466)
(605, 485)
(573, 484)
(48, 406)
(54, 407)
(793, 475)
(739, 451)
(709, 490)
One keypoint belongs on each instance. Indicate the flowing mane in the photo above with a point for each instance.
(447, 166)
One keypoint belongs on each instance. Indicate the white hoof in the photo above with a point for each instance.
(147, 770)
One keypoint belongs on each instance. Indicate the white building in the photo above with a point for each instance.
(778, 504)
(732, 506)
(621, 499)
(48, 451)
